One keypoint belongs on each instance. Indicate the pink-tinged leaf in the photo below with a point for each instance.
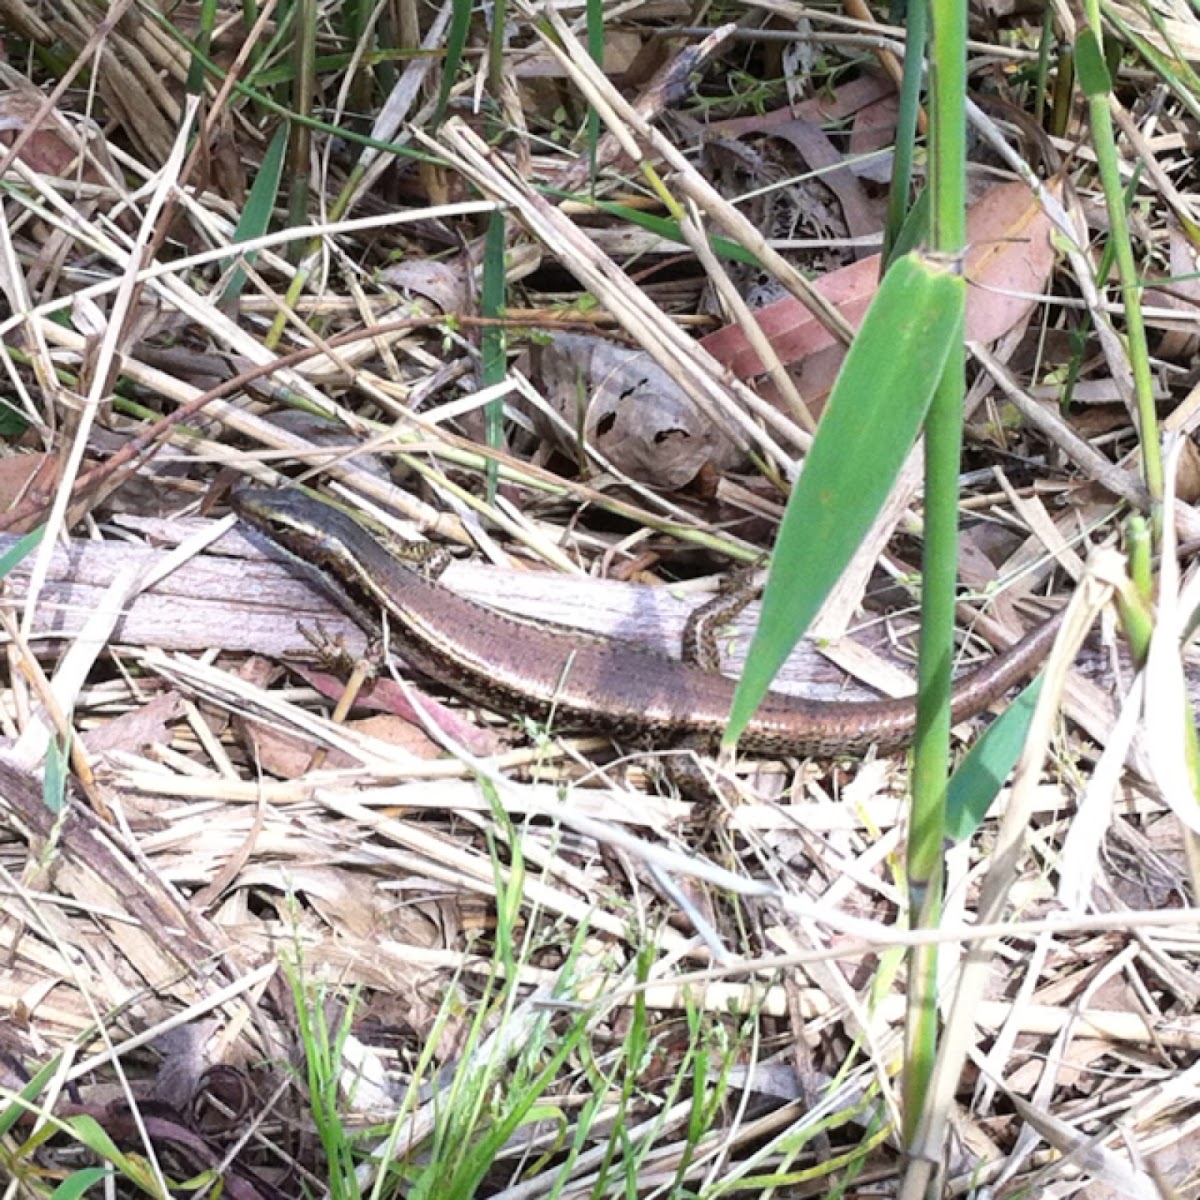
(1007, 266)
(387, 696)
(874, 129)
(847, 100)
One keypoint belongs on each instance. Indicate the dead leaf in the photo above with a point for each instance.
(54, 148)
(1176, 35)
(1088, 1153)
(441, 283)
(1009, 260)
(824, 109)
(874, 129)
(26, 477)
(287, 755)
(389, 698)
(133, 731)
(630, 411)
(862, 215)
(621, 48)
(185, 1058)
(1182, 294)
(402, 734)
(1187, 481)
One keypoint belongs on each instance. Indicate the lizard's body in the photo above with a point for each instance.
(584, 682)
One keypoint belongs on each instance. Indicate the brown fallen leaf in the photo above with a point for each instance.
(630, 411)
(55, 147)
(847, 99)
(27, 476)
(1181, 293)
(288, 755)
(874, 129)
(146, 725)
(397, 732)
(442, 284)
(862, 214)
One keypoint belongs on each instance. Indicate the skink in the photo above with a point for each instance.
(582, 682)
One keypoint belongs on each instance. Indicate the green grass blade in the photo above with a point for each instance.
(493, 342)
(19, 550)
(916, 23)
(208, 18)
(302, 54)
(11, 1114)
(91, 1134)
(595, 44)
(256, 217)
(58, 768)
(664, 227)
(981, 775)
(456, 43)
(1094, 79)
(914, 232)
(876, 409)
(79, 1183)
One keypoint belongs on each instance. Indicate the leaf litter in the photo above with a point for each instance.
(220, 908)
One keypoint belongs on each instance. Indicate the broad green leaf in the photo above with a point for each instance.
(89, 1131)
(1090, 67)
(915, 230)
(78, 1184)
(870, 424)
